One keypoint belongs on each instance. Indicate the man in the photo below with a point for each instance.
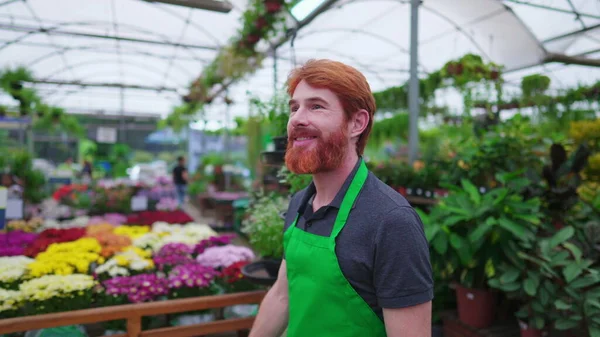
(356, 259)
(180, 178)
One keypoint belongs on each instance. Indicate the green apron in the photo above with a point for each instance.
(321, 301)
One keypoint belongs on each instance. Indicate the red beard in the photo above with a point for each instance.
(326, 156)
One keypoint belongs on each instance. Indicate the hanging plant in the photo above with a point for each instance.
(273, 6)
(535, 85)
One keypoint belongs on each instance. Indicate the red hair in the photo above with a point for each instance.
(349, 84)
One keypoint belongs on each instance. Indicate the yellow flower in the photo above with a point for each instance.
(66, 258)
(132, 231)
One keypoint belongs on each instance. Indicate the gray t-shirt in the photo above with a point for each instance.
(382, 249)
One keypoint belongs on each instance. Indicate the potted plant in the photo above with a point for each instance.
(469, 229)
(264, 228)
(554, 284)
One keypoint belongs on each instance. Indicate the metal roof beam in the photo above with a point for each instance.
(577, 60)
(29, 29)
(209, 5)
(569, 34)
(554, 9)
(105, 85)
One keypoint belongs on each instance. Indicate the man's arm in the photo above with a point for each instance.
(403, 276)
(412, 321)
(272, 318)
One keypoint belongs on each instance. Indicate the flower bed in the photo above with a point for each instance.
(105, 263)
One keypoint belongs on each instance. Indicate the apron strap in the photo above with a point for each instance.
(355, 186)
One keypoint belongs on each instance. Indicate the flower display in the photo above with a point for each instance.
(50, 236)
(138, 288)
(12, 270)
(30, 226)
(213, 241)
(56, 293)
(232, 279)
(150, 217)
(224, 256)
(14, 243)
(114, 219)
(173, 254)
(100, 227)
(167, 204)
(111, 243)
(67, 258)
(132, 231)
(148, 241)
(126, 263)
(190, 234)
(190, 280)
(10, 303)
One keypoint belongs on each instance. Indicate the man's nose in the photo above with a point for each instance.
(299, 118)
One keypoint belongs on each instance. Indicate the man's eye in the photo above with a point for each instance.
(317, 106)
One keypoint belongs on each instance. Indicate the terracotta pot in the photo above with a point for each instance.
(476, 307)
(527, 331)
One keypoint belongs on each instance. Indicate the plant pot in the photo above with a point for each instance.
(280, 143)
(476, 307)
(527, 331)
(263, 272)
(273, 158)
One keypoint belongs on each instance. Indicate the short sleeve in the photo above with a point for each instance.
(402, 268)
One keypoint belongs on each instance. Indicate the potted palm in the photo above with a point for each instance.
(469, 230)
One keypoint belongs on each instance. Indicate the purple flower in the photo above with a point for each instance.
(173, 254)
(138, 288)
(213, 241)
(224, 256)
(191, 275)
(14, 243)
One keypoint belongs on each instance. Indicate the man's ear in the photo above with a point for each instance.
(359, 122)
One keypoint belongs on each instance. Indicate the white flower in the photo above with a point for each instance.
(12, 268)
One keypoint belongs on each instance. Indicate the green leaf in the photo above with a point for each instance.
(574, 250)
(594, 331)
(560, 259)
(565, 324)
(560, 237)
(482, 230)
(502, 193)
(431, 231)
(538, 322)
(456, 241)
(461, 211)
(472, 191)
(440, 243)
(544, 296)
(529, 218)
(571, 272)
(530, 287)
(454, 219)
(510, 276)
(516, 229)
(585, 281)
(561, 305)
(510, 287)
(593, 303)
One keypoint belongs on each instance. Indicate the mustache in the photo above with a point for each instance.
(303, 132)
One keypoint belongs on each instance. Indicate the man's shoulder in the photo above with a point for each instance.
(381, 197)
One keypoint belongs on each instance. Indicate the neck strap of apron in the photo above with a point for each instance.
(351, 194)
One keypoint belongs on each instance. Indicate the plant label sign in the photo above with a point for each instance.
(106, 135)
(139, 203)
(14, 208)
(3, 199)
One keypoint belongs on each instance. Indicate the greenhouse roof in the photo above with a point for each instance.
(140, 57)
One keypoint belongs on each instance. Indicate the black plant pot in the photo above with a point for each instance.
(280, 143)
(273, 158)
(263, 272)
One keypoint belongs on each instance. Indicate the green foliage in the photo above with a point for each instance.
(142, 157)
(535, 85)
(296, 182)
(264, 225)
(468, 229)
(19, 163)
